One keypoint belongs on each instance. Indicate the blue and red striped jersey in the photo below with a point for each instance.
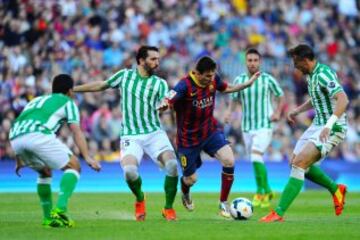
(194, 107)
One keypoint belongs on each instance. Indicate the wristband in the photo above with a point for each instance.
(331, 121)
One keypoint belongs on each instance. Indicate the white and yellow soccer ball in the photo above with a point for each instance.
(241, 209)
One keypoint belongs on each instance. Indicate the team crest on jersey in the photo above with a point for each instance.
(211, 88)
(331, 84)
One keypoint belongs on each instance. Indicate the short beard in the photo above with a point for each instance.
(150, 71)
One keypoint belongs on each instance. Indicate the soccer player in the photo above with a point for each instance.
(141, 91)
(328, 130)
(258, 116)
(193, 100)
(34, 142)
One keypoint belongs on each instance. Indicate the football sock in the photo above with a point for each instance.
(292, 189)
(316, 175)
(259, 169)
(227, 179)
(170, 186)
(45, 195)
(67, 186)
(135, 187)
(185, 189)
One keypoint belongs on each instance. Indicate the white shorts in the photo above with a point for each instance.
(258, 140)
(38, 150)
(312, 135)
(153, 144)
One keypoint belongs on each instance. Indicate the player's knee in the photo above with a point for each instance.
(73, 164)
(171, 168)
(190, 180)
(228, 162)
(130, 172)
(256, 157)
(297, 172)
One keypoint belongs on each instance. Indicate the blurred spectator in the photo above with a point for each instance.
(93, 39)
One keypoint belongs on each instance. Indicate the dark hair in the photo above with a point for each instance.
(205, 64)
(62, 83)
(302, 51)
(253, 51)
(142, 53)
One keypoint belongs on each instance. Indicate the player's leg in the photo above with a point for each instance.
(226, 156)
(168, 160)
(131, 155)
(260, 142)
(159, 148)
(308, 156)
(219, 147)
(44, 192)
(190, 161)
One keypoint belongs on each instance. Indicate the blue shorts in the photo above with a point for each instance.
(190, 157)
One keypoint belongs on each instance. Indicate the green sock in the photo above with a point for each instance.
(67, 186)
(44, 192)
(316, 175)
(292, 189)
(259, 175)
(135, 187)
(170, 186)
(265, 183)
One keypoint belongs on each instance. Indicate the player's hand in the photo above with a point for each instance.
(324, 135)
(93, 164)
(291, 116)
(163, 105)
(275, 117)
(254, 77)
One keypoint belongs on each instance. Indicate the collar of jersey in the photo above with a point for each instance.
(196, 81)
(142, 77)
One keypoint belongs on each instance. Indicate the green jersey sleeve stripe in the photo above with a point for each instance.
(115, 80)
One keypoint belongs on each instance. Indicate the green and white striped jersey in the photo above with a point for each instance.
(139, 99)
(323, 84)
(256, 101)
(45, 114)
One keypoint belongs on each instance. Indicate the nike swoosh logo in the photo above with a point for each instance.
(192, 94)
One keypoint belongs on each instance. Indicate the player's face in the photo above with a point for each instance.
(302, 64)
(151, 62)
(253, 62)
(206, 77)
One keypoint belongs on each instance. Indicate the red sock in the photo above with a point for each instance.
(184, 188)
(227, 180)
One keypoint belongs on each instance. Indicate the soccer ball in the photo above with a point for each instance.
(241, 209)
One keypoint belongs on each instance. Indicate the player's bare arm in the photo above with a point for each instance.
(81, 143)
(300, 109)
(340, 107)
(277, 113)
(235, 88)
(92, 87)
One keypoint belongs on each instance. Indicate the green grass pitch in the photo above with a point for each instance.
(110, 216)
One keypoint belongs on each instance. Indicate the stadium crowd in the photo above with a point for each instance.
(93, 39)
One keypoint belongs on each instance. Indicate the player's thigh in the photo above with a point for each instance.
(190, 160)
(261, 140)
(217, 146)
(307, 156)
(39, 150)
(248, 141)
(158, 146)
(131, 150)
(304, 139)
(335, 138)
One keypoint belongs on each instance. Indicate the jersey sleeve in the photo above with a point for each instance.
(177, 93)
(329, 80)
(236, 95)
(164, 90)
(115, 80)
(72, 112)
(275, 87)
(220, 85)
